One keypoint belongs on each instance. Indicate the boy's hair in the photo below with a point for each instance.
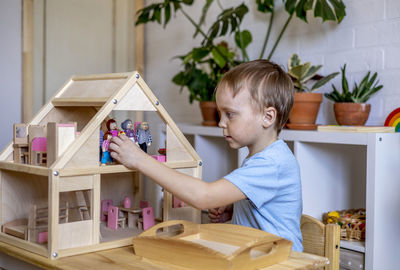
(268, 84)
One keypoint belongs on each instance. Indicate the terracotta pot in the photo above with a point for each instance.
(351, 114)
(305, 110)
(209, 112)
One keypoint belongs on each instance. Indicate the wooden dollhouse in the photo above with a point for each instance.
(53, 188)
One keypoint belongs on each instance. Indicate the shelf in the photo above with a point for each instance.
(44, 171)
(353, 245)
(79, 102)
(312, 136)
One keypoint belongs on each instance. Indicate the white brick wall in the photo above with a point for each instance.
(367, 39)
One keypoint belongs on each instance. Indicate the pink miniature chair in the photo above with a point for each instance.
(144, 204)
(104, 208)
(148, 218)
(178, 203)
(39, 150)
(113, 219)
(160, 158)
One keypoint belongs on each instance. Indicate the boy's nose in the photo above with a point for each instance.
(221, 123)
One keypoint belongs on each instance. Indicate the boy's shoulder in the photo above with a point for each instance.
(277, 153)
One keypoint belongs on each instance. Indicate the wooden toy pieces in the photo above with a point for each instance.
(41, 145)
(117, 216)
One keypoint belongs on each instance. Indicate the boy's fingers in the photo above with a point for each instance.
(114, 155)
(116, 140)
(123, 137)
(113, 147)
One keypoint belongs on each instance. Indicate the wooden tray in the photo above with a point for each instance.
(211, 246)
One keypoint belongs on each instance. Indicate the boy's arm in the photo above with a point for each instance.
(191, 190)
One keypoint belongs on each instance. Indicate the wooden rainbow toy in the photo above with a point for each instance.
(393, 119)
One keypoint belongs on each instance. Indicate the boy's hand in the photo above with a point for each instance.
(125, 151)
(220, 214)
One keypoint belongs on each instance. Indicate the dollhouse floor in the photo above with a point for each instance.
(108, 234)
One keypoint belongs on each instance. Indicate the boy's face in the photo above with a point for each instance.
(241, 120)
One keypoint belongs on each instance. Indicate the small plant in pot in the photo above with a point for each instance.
(306, 103)
(350, 107)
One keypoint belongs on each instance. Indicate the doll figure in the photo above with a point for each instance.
(112, 128)
(143, 136)
(127, 127)
(106, 154)
(101, 144)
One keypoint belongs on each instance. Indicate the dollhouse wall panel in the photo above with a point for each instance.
(80, 115)
(93, 88)
(75, 234)
(88, 154)
(19, 192)
(116, 186)
(186, 212)
(175, 150)
(73, 183)
(135, 100)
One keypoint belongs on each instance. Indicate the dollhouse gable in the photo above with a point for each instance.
(130, 94)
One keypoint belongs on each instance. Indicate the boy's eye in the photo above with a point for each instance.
(229, 114)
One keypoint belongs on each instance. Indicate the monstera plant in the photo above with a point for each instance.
(204, 65)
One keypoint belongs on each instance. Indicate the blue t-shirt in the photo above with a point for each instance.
(270, 180)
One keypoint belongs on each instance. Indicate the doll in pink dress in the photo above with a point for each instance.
(113, 129)
(106, 154)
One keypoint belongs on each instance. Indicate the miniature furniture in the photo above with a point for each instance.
(133, 214)
(321, 239)
(113, 219)
(105, 204)
(38, 221)
(84, 104)
(20, 143)
(147, 218)
(39, 151)
(17, 228)
(339, 170)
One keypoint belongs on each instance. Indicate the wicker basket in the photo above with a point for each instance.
(352, 223)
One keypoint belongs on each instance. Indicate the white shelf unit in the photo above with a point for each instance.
(339, 170)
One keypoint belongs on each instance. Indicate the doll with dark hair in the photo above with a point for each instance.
(127, 127)
(113, 129)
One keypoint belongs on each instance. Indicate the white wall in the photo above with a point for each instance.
(367, 39)
(10, 68)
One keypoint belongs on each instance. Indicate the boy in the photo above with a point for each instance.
(254, 100)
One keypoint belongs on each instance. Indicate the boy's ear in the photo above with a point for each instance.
(269, 116)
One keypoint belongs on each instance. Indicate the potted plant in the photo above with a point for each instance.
(204, 65)
(350, 107)
(306, 103)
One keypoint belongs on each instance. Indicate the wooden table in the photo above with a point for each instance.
(124, 258)
(133, 214)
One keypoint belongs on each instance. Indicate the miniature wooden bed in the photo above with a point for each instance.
(73, 166)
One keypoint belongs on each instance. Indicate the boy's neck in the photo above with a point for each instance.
(270, 136)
